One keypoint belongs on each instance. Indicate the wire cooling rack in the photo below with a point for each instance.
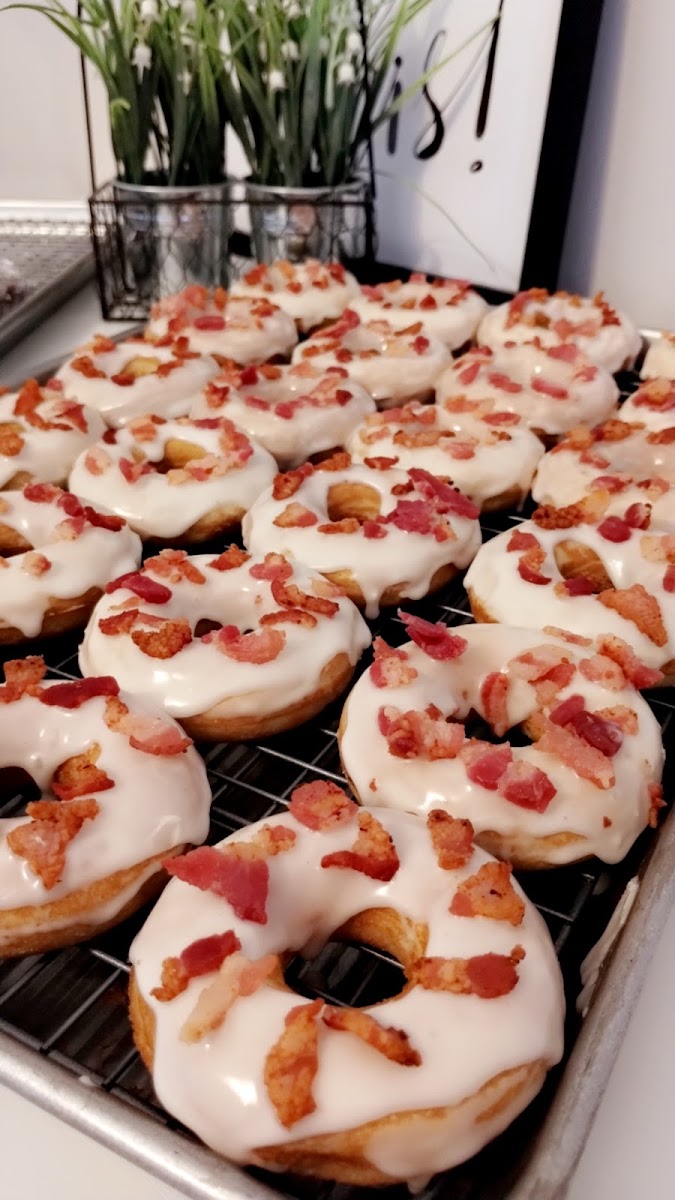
(70, 1007)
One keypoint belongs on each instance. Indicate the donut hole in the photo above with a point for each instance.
(177, 453)
(576, 561)
(206, 625)
(358, 501)
(17, 789)
(140, 365)
(12, 542)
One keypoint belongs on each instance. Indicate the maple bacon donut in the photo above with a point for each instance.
(653, 403)
(588, 783)
(42, 432)
(244, 330)
(378, 532)
(281, 643)
(265, 1076)
(311, 292)
(659, 360)
(121, 791)
(184, 480)
(449, 309)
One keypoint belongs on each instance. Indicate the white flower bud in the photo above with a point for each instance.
(189, 10)
(289, 51)
(353, 43)
(141, 57)
(186, 82)
(276, 81)
(346, 73)
(324, 44)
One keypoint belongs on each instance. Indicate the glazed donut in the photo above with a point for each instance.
(41, 434)
(551, 390)
(659, 360)
(378, 532)
(185, 480)
(301, 642)
(492, 464)
(62, 556)
(121, 790)
(607, 576)
(393, 365)
(628, 461)
(123, 380)
(293, 411)
(233, 328)
(588, 783)
(653, 403)
(394, 1091)
(607, 337)
(449, 309)
(310, 292)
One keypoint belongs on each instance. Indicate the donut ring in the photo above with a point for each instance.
(310, 292)
(491, 463)
(653, 404)
(123, 380)
(62, 556)
(121, 789)
(449, 309)
(551, 390)
(605, 335)
(236, 328)
(608, 577)
(184, 480)
(41, 434)
(578, 789)
(206, 968)
(659, 360)
(364, 527)
(293, 411)
(393, 365)
(304, 638)
(632, 463)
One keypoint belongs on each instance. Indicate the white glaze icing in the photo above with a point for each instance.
(483, 461)
(310, 292)
(653, 403)
(379, 357)
(293, 411)
(199, 676)
(607, 337)
(216, 1085)
(449, 309)
(660, 358)
(167, 505)
(157, 801)
(420, 784)
(375, 563)
(169, 395)
(45, 454)
(509, 377)
(244, 330)
(495, 582)
(78, 561)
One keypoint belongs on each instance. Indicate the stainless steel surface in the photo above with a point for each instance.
(54, 259)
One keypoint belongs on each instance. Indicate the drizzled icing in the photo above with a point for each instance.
(199, 676)
(77, 561)
(244, 330)
(42, 431)
(660, 358)
(653, 403)
(310, 292)
(158, 377)
(449, 309)
(157, 802)
(225, 472)
(401, 557)
(293, 411)
(551, 389)
(418, 784)
(484, 461)
(393, 365)
(606, 336)
(216, 1086)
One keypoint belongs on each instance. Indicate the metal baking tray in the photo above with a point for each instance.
(65, 1041)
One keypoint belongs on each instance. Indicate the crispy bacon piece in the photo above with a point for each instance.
(548, 517)
(289, 616)
(489, 893)
(435, 639)
(79, 776)
(23, 677)
(259, 647)
(393, 1043)
(119, 623)
(242, 881)
(295, 516)
(451, 838)
(426, 735)
(292, 1063)
(73, 695)
(621, 715)
(289, 595)
(44, 841)
(199, 958)
(618, 650)
(229, 559)
(485, 764)
(614, 529)
(321, 805)
(287, 484)
(599, 668)
(237, 977)
(142, 586)
(669, 579)
(522, 541)
(494, 692)
(488, 976)
(529, 564)
(573, 751)
(444, 497)
(391, 667)
(656, 802)
(11, 442)
(373, 853)
(344, 525)
(175, 566)
(638, 605)
(527, 786)
(165, 641)
(151, 735)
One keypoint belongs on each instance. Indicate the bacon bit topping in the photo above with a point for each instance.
(289, 595)
(287, 484)
(494, 692)
(289, 616)
(522, 541)
(373, 529)
(669, 579)
(415, 734)
(261, 646)
(574, 639)
(656, 802)
(451, 838)
(548, 517)
(43, 842)
(373, 853)
(573, 751)
(142, 586)
(497, 379)
(237, 977)
(485, 763)
(549, 389)
(618, 650)
(578, 586)
(391, 667)
(599, 668)
(11, 442)
(527, 786)
(638, 516)
(626, 718)
(393, 1043)
(23, 677)
(345, 525)
(175, 566)
(563, 713)
(292, 1063)
(530, 573)
(321, 805)
(614, 529)
(240, 877)
(229, 559)
(42, 493)
(209, 322)
(79, 775)
(611, 483)
(151, 735)
(489, 893)
(73, 695)
(446, 499)
(199, 958)
(165, 641)
(119, 623)
(435, 639)
(296, 516)
(35, 564)
(638, 605)
(488, 976)
(380, 463)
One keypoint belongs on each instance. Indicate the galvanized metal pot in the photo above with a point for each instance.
(313, 222)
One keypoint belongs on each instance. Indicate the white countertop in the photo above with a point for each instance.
(630, 1153)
